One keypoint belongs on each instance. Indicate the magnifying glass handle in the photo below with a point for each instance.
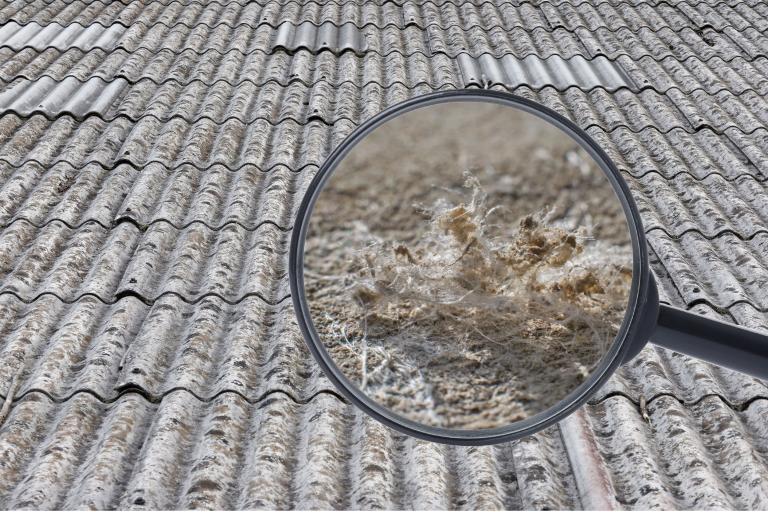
(721, 343)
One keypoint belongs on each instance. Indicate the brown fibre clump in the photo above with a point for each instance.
(469, 326)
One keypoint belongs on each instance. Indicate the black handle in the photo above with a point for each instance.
(721, 343)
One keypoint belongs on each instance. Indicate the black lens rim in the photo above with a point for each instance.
(631, 328)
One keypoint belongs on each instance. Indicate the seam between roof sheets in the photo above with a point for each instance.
(144, 226)
(315, 116)
(157, 399)
(458, 83)
(199, 298)
(547, 26)
(151, 301)
(736, 406)
(314, 52)
(652, 3)
(5, 82)
(139, 167)
(687, 129)
(338, 52)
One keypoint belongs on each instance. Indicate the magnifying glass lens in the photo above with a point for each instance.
(467, 265)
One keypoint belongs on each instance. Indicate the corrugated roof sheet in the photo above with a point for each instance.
(180, 453)
(274, 453)
(152, 155)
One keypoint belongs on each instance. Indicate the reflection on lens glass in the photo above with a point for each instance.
(467, 265)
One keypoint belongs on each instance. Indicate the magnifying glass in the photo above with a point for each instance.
(468, 267)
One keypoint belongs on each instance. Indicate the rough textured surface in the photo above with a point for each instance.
(152, 155)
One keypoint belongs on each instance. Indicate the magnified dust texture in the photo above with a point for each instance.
(467, 265)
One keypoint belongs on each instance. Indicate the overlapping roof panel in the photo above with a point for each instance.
(153, 154)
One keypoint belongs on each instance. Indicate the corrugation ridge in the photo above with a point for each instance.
(138, 167)
(134, 119)
(284, 83)
(227, 455)
(411, 86)
(619, 126)
(736, 277)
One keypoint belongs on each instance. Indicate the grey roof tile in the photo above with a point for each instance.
(537, 73)
(657, 371)
(275, 453)
(722, 271)
(713, 76)
(721, 15)
(699, 154)
(173, 141)
(232, 14)
(712, 206)
(704, 44)
(40, 37)
(231, 263)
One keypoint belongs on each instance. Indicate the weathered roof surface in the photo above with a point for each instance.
(153, 154)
